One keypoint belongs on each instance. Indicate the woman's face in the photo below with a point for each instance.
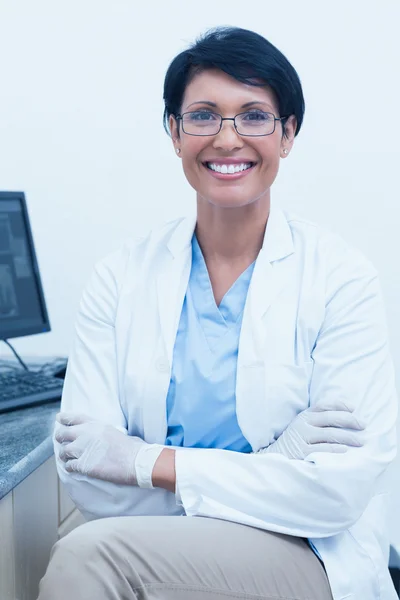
(229, 95)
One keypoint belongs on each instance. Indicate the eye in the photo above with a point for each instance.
(257, 116)
(201, 115)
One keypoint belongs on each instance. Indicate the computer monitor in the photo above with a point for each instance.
(22, 303)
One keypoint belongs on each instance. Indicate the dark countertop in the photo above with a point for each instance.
(26, 433)
(25, 442)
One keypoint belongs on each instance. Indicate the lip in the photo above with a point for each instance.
(229, 161)
(229, 176)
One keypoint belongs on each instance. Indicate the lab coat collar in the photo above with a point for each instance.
(277, 243)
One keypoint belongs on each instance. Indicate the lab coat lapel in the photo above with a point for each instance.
(172, 282)
(268, 280)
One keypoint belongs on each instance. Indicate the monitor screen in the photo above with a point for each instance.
(22, 304)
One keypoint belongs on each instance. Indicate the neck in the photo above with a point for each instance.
(231, 235)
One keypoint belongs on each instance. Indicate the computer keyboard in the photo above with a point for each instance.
(19, 389)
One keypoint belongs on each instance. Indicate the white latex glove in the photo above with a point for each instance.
(329, 426)
(102, 451)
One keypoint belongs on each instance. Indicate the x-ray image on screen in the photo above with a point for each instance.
(22, 304)
(8, 297)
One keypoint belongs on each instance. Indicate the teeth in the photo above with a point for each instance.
(229, 168)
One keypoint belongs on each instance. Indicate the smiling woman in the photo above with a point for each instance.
(232, 367)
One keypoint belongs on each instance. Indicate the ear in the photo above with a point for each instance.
(174, 129)
(288, 133)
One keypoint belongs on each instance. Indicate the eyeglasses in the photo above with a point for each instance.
(252, 123)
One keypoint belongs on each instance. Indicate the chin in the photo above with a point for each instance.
(228, 200)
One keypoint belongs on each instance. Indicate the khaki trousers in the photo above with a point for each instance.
(181, 558)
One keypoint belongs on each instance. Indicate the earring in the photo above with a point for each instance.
(178, 150)
(285, 151)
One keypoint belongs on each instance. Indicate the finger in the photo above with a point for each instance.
(69, 452)
(336, 418)
(334, 404)
(331, 448)
(333, 435)
(66, 434)
(66, 418)
(72, 466)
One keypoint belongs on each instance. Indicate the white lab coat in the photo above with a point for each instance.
(313, 327)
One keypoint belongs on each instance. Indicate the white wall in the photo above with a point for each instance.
(81, 132)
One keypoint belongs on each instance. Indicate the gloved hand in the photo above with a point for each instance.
(329, 426)
(102, 451)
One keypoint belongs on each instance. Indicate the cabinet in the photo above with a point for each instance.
(7, 581)
(33, 516)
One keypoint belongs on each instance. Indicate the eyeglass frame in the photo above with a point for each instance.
(179, 117)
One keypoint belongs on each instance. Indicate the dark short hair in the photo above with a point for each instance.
(242, 54)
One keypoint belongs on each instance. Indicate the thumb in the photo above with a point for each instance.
(333, 404)
(66, 418)
(330, 448)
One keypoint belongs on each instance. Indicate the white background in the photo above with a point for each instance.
(81, 131)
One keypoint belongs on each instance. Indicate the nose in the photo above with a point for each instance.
(227, 139)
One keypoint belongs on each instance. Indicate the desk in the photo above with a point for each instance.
(35, 510)
(26, 443)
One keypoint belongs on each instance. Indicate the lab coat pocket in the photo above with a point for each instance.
(287, 376)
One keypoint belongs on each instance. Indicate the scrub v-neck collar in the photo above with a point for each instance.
(232, 304)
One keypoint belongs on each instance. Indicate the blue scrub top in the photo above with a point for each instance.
(201, 402)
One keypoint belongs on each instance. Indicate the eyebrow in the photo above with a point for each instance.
(246, 105)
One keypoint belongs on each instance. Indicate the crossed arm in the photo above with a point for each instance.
(99, 450)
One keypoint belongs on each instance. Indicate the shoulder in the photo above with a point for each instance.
(133, 252)
(332, 251)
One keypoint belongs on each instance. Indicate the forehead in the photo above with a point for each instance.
(226, 92)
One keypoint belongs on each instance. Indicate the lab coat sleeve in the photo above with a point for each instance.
(326, 493)
(91, 387)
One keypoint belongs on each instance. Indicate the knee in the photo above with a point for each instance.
(78, 562)
(84, 545)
